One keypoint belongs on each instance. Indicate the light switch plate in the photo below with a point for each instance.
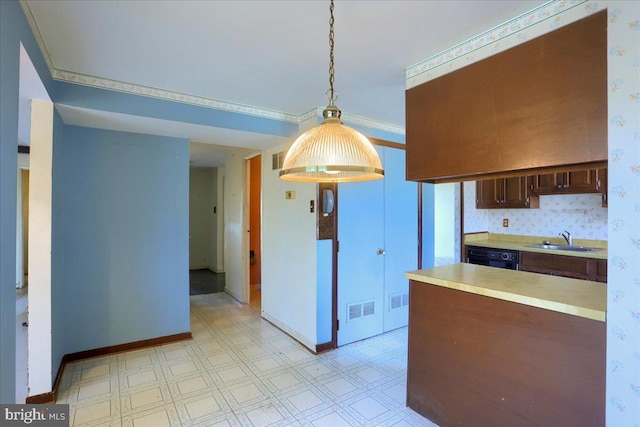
(290, 195)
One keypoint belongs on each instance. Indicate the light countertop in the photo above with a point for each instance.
(523, 243)
(570, 296)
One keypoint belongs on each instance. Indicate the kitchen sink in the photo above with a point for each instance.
(566, 248)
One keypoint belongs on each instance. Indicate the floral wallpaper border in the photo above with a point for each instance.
(497, 39)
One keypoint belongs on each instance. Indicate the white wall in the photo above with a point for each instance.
(444, 217)
(40, 190)
(581, 214)
(236, 258)
(217, 263)
(289, 270)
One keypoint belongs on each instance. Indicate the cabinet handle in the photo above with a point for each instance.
(565, 186)
(598, 184)
(559, 186)
(527, 201)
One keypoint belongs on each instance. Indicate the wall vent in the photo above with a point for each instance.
(355, 311)
(361, 309)
(397, 301)
(277, 159)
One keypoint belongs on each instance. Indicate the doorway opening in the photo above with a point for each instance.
(255, 244)
(22, 281)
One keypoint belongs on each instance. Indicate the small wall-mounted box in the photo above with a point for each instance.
(290, 195)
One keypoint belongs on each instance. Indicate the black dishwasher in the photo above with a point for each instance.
(501, 258)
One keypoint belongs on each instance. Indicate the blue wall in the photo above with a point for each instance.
(9, 66)
(120, 238)
(13, 31)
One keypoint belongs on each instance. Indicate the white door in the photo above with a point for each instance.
(378, 235)
(400, 238)
(360, 267)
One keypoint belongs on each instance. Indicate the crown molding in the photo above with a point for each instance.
(136, 89)
(495, 34)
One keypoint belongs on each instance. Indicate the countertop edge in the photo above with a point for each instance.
(523, 246)
(584, 312)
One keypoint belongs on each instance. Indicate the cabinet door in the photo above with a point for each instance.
(505, 193)
(601, 184)
(488, 194)
(555, 265)
(548, 183)
(515, 193)
(577, 182)
(601, 271)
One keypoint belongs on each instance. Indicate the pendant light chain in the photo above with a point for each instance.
(331, 70)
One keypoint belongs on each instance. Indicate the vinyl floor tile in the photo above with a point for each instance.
(239, 370)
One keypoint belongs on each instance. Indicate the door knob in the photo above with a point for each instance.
(381, 251)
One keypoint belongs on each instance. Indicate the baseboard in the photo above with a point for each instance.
(50, 396)
(196, 267)
(325, 346)
(40, 399)
(135, 345)
(295, 335)
(226, 291)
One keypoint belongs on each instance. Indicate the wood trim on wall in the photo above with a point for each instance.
(385, 143)
(463, 255)
(40, 399)
(50, 396)
(419, 226)
(326, 346)
(334, 270)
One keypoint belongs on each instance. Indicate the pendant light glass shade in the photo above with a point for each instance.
(331, 152)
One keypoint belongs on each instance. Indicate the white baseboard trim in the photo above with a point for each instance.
(226, 291)
(295, 335)
(199, 267)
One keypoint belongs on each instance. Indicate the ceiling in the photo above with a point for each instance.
(272, 55)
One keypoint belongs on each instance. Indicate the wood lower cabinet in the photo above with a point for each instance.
(601, 271)
(574, 182)
(480, 361)
(564, 266)
(505, 193)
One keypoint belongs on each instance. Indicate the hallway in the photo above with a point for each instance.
(240, 370)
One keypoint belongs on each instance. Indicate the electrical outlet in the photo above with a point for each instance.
(505, 222)
(290, 195)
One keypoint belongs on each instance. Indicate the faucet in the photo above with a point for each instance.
(567, 237)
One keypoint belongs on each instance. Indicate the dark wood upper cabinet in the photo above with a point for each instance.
(503, 193)
(541, 104)
(574, 182)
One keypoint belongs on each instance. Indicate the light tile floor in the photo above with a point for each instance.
(239, 370)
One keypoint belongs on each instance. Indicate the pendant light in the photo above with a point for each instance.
(331, 151)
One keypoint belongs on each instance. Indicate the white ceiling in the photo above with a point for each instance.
(267, 54)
